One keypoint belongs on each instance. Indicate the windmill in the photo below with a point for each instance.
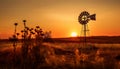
(83, 19)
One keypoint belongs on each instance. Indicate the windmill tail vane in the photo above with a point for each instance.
(92, 17)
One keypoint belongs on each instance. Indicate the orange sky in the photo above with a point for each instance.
(60, 16)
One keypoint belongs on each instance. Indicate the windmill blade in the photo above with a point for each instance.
(92, 17)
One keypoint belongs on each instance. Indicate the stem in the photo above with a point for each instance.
(15, 29)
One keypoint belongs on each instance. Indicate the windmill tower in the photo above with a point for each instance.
(83, 19)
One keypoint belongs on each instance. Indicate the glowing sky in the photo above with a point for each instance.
(60, 16)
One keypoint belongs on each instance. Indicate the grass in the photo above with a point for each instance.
(59, 56)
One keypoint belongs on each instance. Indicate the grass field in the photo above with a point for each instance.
(59, 55)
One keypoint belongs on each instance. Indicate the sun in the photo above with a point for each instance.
(74, 34)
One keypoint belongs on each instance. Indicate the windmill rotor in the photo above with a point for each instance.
(83, 17)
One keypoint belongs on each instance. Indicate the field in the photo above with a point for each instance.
(59, 55)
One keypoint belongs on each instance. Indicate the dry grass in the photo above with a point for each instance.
(59, 56)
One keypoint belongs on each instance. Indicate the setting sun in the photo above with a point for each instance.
(74, 34)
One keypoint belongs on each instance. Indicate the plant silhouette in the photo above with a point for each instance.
(32, 49)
